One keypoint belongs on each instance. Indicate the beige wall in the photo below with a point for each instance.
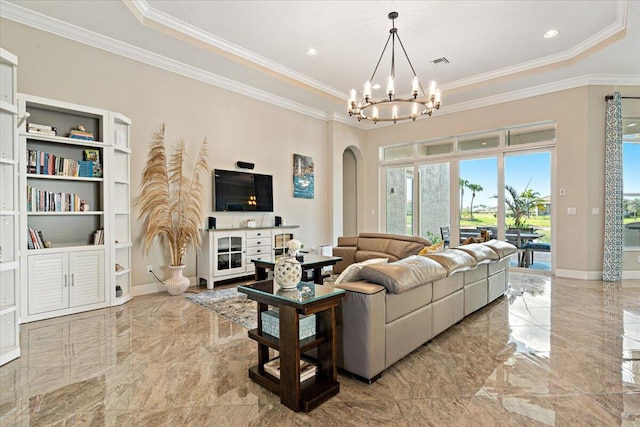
(237, 127)
(579, 114)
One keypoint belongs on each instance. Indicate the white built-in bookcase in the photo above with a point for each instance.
(76, 273)
(9, 211)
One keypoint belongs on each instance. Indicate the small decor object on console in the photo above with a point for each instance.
(293, 247)
(287, 272)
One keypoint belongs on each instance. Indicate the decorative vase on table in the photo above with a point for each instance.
(287, 272)
(177, 284)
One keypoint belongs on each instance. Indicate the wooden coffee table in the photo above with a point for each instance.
(313, 299)
(311, 262)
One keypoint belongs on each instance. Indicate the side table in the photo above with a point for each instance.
(317, 299)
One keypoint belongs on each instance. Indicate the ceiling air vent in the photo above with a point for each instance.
(440, 61)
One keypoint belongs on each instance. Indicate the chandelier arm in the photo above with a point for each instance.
(380, 59)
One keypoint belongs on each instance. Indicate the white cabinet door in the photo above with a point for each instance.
(228, 252)
(48, 282)
(87, 277)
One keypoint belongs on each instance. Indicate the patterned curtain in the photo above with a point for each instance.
(613, 219)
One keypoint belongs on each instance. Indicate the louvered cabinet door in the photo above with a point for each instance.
(48, 282)
(86, 277)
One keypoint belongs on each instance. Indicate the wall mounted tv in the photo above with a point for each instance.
(242, 192)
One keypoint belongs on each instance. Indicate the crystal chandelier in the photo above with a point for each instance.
(392, 108)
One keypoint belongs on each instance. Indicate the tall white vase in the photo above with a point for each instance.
(177, 284)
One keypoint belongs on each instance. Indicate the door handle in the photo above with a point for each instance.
(72, 281)
(65, 280)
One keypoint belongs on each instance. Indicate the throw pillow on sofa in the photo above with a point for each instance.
(438, 247)
(353, 273)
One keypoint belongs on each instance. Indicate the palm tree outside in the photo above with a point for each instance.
(475, 188)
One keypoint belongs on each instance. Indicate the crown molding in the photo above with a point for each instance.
(589, 43)
(80, 35)
(593, 79)
(148, 13)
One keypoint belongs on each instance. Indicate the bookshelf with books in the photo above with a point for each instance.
(9, 211)
(67, 219)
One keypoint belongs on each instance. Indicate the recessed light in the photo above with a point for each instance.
(551, 33)
(376, 86)
(312, 51)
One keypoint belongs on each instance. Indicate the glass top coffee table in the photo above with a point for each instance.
(311, 262)
(307, 298)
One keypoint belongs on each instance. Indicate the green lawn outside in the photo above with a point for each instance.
(542, 222)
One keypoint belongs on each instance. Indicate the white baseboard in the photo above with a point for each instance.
(579, 274)
(153, 288)
(630, 275)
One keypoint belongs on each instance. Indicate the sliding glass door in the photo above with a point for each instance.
(478, 190)
(528, 207)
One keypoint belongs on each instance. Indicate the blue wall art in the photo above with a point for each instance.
(303, 178)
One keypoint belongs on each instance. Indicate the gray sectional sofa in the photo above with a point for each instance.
(396, 307)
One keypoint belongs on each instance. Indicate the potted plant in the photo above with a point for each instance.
(170, 204)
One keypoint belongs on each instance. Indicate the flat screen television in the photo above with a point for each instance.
(242, 191)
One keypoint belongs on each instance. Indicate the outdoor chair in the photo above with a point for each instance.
(444, 233)
(517, 242)
(533, 247)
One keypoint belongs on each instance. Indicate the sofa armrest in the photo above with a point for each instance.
(362, 329)
(348, 255)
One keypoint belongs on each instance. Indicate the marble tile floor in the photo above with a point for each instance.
(553, 352)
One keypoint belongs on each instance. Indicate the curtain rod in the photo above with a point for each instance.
(610, 97)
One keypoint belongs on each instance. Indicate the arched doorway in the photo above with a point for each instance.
(349, 193)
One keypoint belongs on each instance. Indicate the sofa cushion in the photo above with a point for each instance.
(503, 249)
(361, 256)
(406, 274)
(391, 244)
(447, 286)
(399, 305)
(482, 253)
(454, 260)
(353, 272)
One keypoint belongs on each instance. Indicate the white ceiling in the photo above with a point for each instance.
(496, 48)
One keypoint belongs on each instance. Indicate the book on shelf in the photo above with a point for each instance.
(307, 369)
(29, 241)
(78, 134)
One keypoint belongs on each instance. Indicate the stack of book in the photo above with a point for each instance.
(307, 369)
(43, 129)
(98, 237)
(34, 239)
(80, 134)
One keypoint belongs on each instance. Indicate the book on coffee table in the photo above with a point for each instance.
(307, 369)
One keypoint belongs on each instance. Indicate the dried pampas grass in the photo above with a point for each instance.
(170, 204)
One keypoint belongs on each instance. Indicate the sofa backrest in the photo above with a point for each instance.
(377, 245)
